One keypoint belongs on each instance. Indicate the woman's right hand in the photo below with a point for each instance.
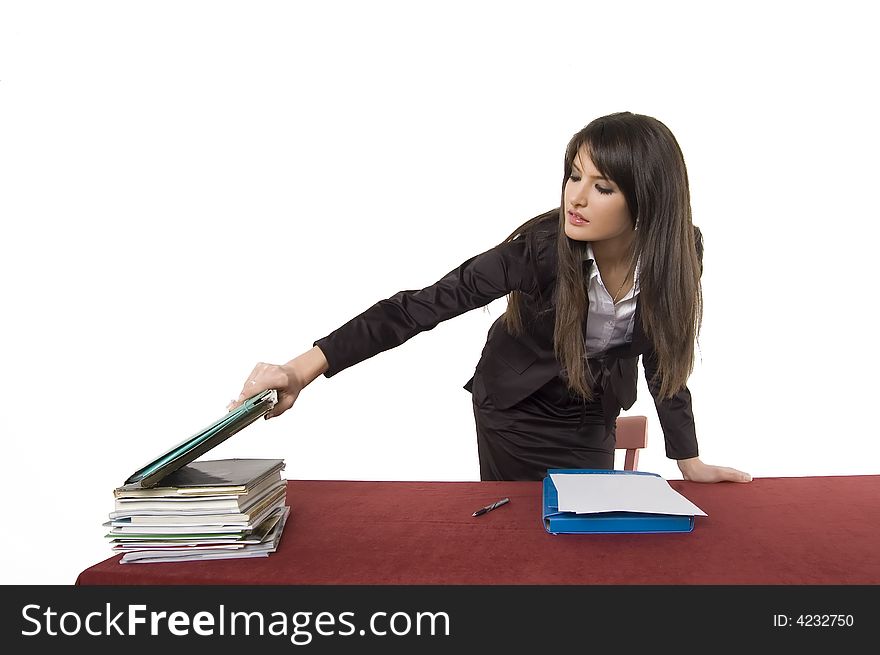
(285, 378)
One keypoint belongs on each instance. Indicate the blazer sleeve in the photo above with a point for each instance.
(476, 282)
(675, 414)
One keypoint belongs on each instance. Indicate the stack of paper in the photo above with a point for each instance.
(616, 491)
(213, 509)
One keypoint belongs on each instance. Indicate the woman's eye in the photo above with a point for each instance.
(602, 190)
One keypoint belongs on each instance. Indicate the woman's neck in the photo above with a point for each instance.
(614, 254)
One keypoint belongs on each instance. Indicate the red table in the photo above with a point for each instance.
(810, 530)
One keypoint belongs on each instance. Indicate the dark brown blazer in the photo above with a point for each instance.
(512, 367)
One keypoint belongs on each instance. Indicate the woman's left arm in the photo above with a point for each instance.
(677, 420)
(676, 414)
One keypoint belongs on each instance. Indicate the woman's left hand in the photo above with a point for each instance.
(696, 471)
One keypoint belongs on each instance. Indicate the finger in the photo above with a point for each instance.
(285, 403)
(249, 388)
(253, 385)
(734, 475)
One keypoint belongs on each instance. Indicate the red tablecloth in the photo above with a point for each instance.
(810, 530)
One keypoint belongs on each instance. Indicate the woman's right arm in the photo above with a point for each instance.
(390, 322)
(289, 379)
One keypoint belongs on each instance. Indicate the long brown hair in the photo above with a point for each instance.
(641, 155)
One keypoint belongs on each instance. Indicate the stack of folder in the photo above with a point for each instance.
(212, 509)
(175, 509)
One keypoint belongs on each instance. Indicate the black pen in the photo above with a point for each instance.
(489, 508)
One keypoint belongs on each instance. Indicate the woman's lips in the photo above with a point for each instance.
(574, 219)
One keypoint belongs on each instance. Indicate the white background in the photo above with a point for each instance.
(189, 188)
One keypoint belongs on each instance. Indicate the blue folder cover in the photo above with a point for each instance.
(556, 522)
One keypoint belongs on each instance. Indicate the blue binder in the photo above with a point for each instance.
(556, 522)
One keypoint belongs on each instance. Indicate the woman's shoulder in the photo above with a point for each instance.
(541, 231)
(537, 243)
(546, 225)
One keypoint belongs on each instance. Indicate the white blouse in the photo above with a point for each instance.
(608, 325)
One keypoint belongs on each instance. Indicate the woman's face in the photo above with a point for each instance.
(598, 201)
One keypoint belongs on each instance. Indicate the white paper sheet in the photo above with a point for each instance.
(620, 492)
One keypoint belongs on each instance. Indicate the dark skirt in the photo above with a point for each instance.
(549, 429)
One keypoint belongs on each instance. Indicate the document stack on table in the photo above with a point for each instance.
(175, 509)
(212, 509)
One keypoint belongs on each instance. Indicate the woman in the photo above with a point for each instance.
(610, 275)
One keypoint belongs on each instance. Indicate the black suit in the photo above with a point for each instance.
(512, 368)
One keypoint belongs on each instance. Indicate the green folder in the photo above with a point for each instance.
(201, 442)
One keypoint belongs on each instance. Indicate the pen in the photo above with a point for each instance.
(489, 508)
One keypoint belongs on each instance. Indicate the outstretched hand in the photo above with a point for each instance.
(696, 471)
(284, 378)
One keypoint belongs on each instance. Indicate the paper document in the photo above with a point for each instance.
(268, 543)
(592, 493)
